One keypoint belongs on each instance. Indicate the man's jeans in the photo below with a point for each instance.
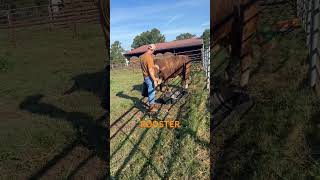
(151, 90)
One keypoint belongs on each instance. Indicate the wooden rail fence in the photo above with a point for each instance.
(66, 15)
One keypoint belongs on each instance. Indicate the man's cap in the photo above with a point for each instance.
(152, 46)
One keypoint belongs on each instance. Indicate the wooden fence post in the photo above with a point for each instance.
(308, 20)
(300, 10)
(9, 26)
(306, 13)
(75, 33)
(12, 38)
(50, 15)
(313, 42)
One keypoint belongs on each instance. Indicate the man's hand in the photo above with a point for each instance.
(156, 66)
(156, 82)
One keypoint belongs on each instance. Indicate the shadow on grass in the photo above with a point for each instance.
(95, 83)
(136, 101)
(177, 145)
(235, 152)
(225, 100)
(227, 111)
(137, 87)
(136, 146)
(229, 105)
(180, 134)
(91, 133)
(314, 136)
(267, 46)
(150, 162)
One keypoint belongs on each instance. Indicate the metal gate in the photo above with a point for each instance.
(309, 13)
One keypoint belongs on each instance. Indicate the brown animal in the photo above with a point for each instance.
(173, 66)
(234, 26)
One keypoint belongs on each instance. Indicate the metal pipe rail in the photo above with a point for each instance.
(309, 13)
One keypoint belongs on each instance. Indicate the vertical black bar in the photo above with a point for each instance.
(104, 8)
(212, 16)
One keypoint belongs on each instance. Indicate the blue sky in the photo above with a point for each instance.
(129, 18)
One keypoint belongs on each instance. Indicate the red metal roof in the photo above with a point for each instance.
(169, 45)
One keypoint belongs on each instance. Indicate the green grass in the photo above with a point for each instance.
(158, 153)
(35, 129)
(278, 138)
(124, 81)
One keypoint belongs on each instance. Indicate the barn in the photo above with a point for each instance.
(192, 47)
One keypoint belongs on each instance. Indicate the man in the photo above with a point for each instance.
(147, 66)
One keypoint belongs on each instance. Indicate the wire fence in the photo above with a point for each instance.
(206, 65)
(308, 11)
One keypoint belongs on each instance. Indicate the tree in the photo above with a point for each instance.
(116, 51)
(185, 36)
(148, 37)
(206, 38)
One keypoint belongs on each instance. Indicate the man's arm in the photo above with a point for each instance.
(150, 65)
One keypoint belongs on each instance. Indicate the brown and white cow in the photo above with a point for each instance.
(234, 25)
(171, 66)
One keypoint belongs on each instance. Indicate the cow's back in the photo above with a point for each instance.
(171, 66)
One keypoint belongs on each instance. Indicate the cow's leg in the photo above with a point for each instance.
(246, 56)
(249, 18)
(234, 48)
(245, 69)
(234, 58)
(188, 74)
(162, 86)
(231, 68)
(166, 87)
(184, 83)
(184, 76)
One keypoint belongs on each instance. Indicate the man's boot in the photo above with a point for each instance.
(153, 108)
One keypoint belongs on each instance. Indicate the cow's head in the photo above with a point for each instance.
(158, 69)
(157, 72)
